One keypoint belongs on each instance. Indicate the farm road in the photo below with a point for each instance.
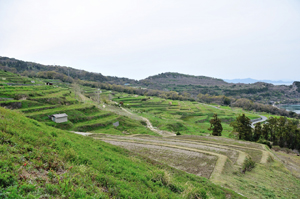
(262, 119)
(149, 125)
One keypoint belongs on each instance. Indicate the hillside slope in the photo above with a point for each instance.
(48, 162)
(194, 85)
(38, 161)
(31, 69)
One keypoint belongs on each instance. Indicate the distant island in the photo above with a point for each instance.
(251, 81)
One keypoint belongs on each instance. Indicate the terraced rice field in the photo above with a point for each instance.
(218, 159)
(39, 102)
(185, 117)
(8, 77)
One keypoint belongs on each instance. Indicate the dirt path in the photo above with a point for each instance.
(220, 164)
(149, 125)
(82, 133)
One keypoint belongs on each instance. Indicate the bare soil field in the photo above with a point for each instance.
(192, 162)
(220, 160)
(230, 153)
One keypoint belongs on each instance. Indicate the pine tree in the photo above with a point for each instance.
(216, 126)
(257, 131)
(242, 125)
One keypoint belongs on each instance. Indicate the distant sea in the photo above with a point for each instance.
(291, 107)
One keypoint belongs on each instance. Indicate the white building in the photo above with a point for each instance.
(59, 118)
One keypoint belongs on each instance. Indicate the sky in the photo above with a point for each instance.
(138, 38)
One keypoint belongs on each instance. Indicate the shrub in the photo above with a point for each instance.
(26, 188)
(262, 141)
(161, 176)
(6, 178)
(248, 164)
(197, 193)
(54, 134)
(143, 123)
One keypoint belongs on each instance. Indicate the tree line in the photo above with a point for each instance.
(278, 131)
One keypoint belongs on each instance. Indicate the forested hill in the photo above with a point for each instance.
(31, 68)
(195, 85)
(183, 79)
(187, 85)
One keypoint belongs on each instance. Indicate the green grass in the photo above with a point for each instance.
(43, 101)
(41, 161)
(193, 117)
(93, 169)
(270, 181)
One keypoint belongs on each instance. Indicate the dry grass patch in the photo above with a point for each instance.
(189, 161)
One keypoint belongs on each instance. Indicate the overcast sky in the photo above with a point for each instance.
(135, 39)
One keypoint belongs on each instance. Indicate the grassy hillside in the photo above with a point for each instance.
(12, 78)
(220, 159)
(38, 102)
(42, 159)
(38, 161)
(184, 117)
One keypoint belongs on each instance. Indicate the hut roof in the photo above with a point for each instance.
(59, 115)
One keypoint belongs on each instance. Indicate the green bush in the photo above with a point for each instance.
(262, 141)
(6, 178)
(197, 194)
(248, 164)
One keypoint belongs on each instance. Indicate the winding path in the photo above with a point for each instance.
(262, 119)
(149, 125)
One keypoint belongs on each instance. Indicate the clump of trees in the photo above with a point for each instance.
(216, 126)
(242, 125)
(219, 99)
(246, 104)
(280, 131)
(250, 105)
